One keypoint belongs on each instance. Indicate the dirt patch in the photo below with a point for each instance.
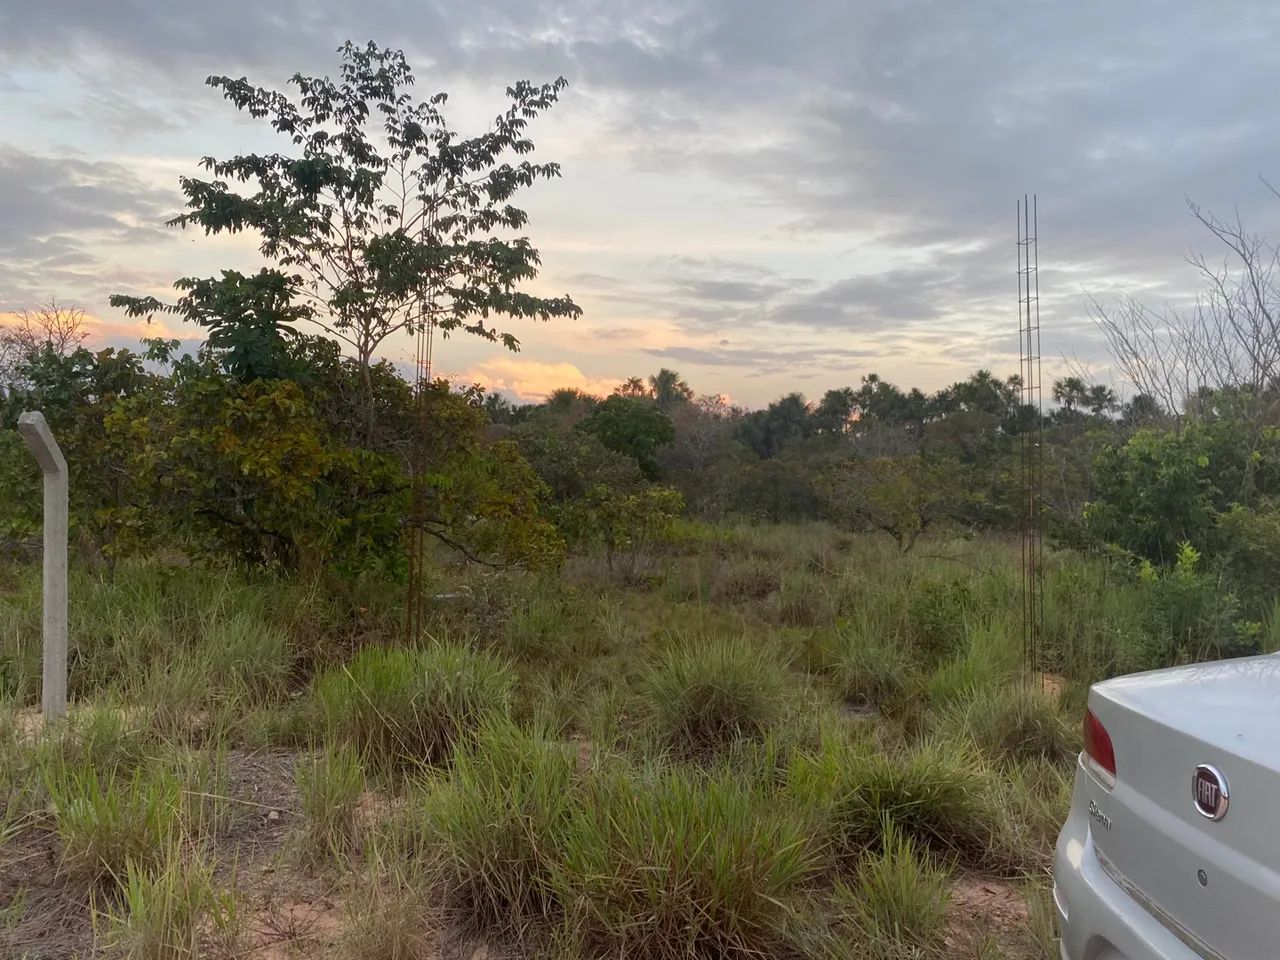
(984, 907)
(42, 914)
(289, 928)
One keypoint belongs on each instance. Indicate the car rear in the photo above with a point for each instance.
(1170, 849)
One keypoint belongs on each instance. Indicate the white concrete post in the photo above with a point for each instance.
(53, 692)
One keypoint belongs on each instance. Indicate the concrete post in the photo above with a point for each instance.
(53, 694)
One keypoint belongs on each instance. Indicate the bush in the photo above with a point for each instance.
(1189, 616)
(702, 696)
(329, 790)
(400, 707)
(679, 867)
(496, 821)
(897, 905)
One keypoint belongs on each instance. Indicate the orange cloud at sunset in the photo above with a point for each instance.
(532, 380)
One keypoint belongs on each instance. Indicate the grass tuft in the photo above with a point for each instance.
(897, 905)
(704, 696)
(1016, 722)
(405, 707)
(677, 866)
(108, 824)
(165, 913)
(387, 919)
(495, 824)
(329, 790)
(936, 795)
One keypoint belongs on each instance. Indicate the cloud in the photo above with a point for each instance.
(60, 216)
(532, 380)
(843, 171)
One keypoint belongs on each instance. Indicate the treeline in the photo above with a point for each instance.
(874, 456)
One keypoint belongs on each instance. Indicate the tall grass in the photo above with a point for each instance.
(167, 912)
(673, 866)
(108, 825)
(495, 824)
(406, 707)
(938, 795)
(897, 905)
(329, 789)
(704, 695)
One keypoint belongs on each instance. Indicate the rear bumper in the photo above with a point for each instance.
(1097, 918)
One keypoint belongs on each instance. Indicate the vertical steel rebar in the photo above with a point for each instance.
(1031, 436)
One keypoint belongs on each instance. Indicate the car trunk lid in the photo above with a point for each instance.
(1214, 882)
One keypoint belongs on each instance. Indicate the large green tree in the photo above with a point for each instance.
(377, 219)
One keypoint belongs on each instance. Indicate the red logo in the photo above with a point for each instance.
(1209, 787)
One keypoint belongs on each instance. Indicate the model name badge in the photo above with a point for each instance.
(1209, 788)
(1099, 817)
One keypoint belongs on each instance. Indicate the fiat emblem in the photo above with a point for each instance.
(1209, 787)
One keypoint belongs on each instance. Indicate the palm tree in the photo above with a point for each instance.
(668, 389)
(1071, 392)
(1101, 399)
(632, 387)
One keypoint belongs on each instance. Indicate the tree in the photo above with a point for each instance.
(51, 327)
(632, 387)
(631, 426)
(668, 390)
(1071, 392)
(380, 219)
(1142, 411)
(835, 411)
(1230, 337)
(1101, 400)
(768, 431)
(903, 496)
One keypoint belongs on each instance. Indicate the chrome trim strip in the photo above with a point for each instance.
(1188, 938)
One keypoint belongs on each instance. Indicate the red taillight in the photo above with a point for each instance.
(1098, 751)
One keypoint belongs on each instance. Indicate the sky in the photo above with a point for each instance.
(764, 196)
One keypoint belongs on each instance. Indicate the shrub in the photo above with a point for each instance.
(329, 790)
(679, 867)
(1189, 615)
(496, 820)
(897, 905)
(703, 696)
(399, 707)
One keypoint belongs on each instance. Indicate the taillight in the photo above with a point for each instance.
(1099, 754)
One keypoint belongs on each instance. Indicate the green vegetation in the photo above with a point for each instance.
(681, 680)
(400, 707)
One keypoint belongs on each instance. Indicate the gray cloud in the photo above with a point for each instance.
(916, 123)
(55, 210)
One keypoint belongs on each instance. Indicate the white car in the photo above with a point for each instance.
(1172, 847)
